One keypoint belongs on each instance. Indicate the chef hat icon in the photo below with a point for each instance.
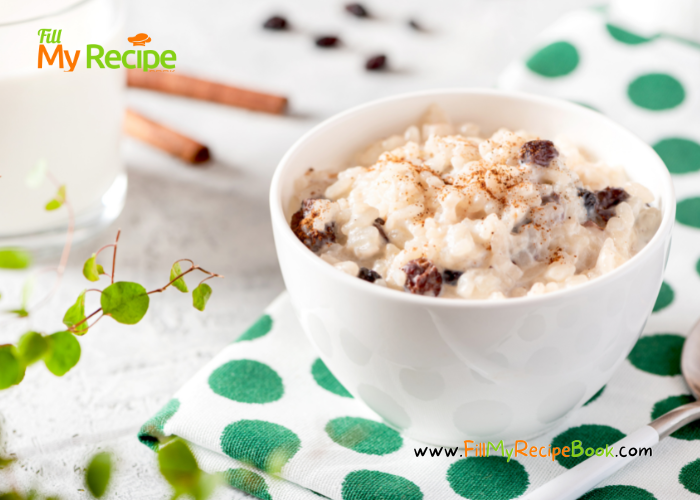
(141, 39)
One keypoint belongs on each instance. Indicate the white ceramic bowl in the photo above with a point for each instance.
(446, 370)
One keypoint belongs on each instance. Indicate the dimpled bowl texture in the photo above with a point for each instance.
(446, 370)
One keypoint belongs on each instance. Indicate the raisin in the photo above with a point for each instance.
(550, 198)
(357, 10)
(327, 41)
(277, 23)
(600, 205)
(302, 225)
(422, 277)
(451, 277)
(519, 226)
(378, 223)
(538, 152)
(376, 63)
(369, 275)
(414, 24)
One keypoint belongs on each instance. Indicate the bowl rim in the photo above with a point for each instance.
(277, 213)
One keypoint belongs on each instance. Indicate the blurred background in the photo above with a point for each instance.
(217, 213)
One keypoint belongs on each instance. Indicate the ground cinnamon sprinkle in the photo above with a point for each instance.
(494, 213)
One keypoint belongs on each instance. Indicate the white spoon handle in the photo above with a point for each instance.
(577, 481)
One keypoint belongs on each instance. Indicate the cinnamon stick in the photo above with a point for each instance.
(164, 138)
(173, 83)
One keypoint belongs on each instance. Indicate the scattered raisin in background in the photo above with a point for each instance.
(451, 277)
(422, 277)
(414, 24)
(600, 205)
(276, 23)
(538, 152)
(327, 41)
(378, 223)
(369, 275)
(376, 63)
(302, 225)
(357, 10)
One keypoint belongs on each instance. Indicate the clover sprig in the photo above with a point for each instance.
(126, 302)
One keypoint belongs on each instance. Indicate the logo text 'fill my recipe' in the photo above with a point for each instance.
(148, 60)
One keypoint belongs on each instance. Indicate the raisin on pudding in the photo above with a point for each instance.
(303, 226)
(538, 152)
(451, 277)
(369, 275)
(600, 205)
(422, 277)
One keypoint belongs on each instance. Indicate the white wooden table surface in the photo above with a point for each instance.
(218, 215)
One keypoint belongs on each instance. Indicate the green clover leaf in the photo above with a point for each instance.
(12, 495)
(14, 258)
(200, 296)
(178, 465)
(11, 367)
(125, 301)
(58, 200)
(64, 353)
(179, 468)
(91, 269)
(75, 314)
(32, 346)
(98, 473)
(180, 284)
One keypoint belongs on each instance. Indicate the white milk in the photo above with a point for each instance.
(70, 120)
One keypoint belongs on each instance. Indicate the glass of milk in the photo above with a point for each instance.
(69, 120)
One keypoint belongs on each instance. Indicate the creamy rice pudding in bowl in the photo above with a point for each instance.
(472, 263)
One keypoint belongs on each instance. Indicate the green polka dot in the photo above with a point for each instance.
(488, 478)
(688, 212)
(554, 60)
(375, 485)
(323, 377)
(260, 444)
(249, 482)
(246, 381)
(259, 329)
(680, 155)
(595, 396)
(690, 476)
(618, 492)
(690, 432)
(656, 91)
(658, 354)
(364, 436)
(664, 298)
(626, 37)
(697, 266)
(591, 436)
(152, 431)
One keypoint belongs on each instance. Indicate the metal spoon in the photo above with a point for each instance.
(582, 478)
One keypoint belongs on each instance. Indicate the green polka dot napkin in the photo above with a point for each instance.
(651, 85)
(268, 414)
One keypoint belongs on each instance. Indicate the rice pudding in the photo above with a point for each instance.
(445, 212)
